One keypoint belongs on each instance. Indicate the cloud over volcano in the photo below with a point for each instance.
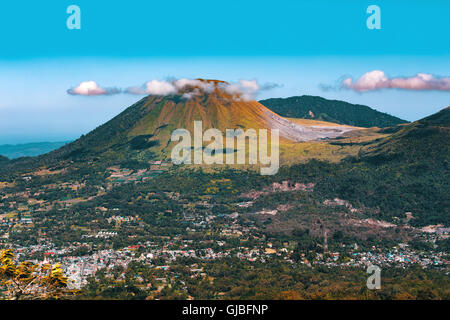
(243, 89)
(188, 88)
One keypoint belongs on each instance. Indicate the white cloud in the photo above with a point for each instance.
(154, 87)
(160, 88)
(91, 88)
(377, 79)
(203, 86)
(244, 89)
(188, 88)
(188, 95)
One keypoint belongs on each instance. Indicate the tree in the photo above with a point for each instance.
(27, 280)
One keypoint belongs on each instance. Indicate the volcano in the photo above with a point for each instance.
(143, 130)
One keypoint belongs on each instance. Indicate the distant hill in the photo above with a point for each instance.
(318, 108)
(425, 140)
(28, 149)
(3, 159)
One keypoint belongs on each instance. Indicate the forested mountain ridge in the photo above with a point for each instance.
(318, 108)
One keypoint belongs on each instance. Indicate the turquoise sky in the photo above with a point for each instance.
(300, 45)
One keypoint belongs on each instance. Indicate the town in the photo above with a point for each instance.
(94, 236)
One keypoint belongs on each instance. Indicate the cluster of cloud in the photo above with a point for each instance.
(377, 79)
(244, 89)
(170, 87)
(188, 88)
(91, 88)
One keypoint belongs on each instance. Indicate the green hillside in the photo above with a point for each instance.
(424, 141)
(318, 108)
(407, 171)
